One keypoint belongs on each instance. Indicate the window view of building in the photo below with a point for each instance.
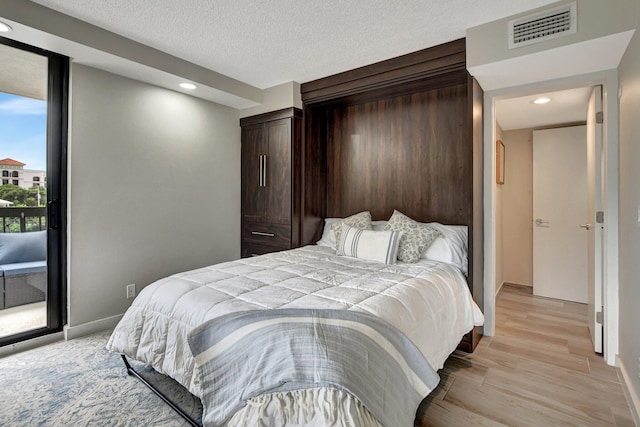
(23, 178)
(21, 187)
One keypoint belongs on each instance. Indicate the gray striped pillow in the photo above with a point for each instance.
(381, 246)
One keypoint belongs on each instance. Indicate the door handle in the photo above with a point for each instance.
(585, 226)
(541, 223)
(52, 214)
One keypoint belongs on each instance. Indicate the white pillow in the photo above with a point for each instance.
(451, 247)
(381, 246)
(328, 238)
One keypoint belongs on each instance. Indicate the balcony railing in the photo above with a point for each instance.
(21, 220)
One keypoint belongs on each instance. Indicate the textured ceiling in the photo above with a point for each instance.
(265, 43)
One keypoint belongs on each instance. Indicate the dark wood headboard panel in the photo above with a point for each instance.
(402, 134)
(407, 152)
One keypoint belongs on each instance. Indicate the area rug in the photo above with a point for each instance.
(79, 383)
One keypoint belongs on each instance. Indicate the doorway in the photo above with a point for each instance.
(33, 117)
(545, 206)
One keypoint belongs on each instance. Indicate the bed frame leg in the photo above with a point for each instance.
(165, 399)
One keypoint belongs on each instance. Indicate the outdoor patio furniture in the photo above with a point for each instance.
(23, 268)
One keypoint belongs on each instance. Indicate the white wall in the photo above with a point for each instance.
(629, 72)
(517, 213)
(154, 188)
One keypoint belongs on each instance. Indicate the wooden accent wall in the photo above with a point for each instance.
(401, 134)
(407, 152)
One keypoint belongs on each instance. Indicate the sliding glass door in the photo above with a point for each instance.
(33, 126)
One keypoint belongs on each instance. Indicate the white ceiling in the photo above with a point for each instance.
(240, 47)
(567, 106)
(266, 43)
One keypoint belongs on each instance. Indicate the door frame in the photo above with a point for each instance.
(57, 131)
(595, 163)
(609, 81)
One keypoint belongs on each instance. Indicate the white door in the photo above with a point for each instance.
(559, 210)
(595, 159)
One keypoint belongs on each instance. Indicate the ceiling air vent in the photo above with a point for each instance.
(552, 23)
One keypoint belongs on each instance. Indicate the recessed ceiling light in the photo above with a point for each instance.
(542, 100)
(188, 86)
(4, 28)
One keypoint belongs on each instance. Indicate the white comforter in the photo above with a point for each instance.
(429, 302)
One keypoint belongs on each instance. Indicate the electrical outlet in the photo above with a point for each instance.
(131, 291)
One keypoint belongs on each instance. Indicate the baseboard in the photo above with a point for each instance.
(69, 333)
(30, 344)
(84, 329)
(499, 288)
(632, 396)
(516, 285)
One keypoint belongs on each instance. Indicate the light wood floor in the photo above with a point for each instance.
(538, 370)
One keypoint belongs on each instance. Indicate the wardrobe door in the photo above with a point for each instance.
(270, 179)
(278, 172)
(253, 153)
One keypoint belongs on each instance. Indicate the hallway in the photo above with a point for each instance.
(538, 370)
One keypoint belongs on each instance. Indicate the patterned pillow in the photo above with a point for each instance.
(416, 237)
(381, 246)
(361, 221)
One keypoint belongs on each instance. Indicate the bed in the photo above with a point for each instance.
(405, 134)
(427, 302)
(401, 134)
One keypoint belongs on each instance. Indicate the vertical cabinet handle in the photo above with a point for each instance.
(262, 178)
(264, 171)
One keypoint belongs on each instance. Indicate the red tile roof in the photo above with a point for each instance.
(12, 162)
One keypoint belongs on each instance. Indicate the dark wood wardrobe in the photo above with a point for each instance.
(271, 181)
